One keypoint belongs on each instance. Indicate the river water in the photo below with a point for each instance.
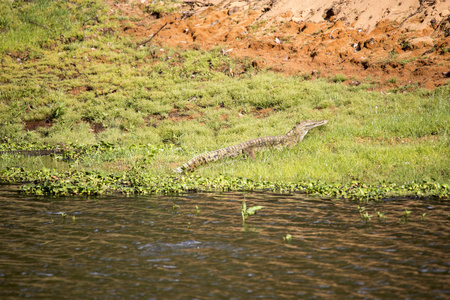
(163, 247)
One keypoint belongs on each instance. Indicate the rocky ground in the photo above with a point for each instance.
(403, 43)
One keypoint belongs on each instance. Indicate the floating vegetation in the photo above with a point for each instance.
(381, 216)
(138, 181)
(405, 216)
(364, 214)
(423, 217)
(287, 238)
(247, 212)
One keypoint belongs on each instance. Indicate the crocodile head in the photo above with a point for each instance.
(301, 129)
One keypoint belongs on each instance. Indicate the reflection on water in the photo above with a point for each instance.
(159, 247)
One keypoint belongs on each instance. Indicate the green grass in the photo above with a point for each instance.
(160, 108)
(339, 78)
(29, 26)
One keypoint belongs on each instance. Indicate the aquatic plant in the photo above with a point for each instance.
(364, 215)
(287, 238)
(423, 217)
(139, 181)
(247, 212)
(405, 217)
(381, 216)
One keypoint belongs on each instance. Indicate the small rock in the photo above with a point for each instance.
(424, 41)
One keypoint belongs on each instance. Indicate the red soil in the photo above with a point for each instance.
(392, 44)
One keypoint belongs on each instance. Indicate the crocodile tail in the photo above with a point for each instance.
(199, 160)
(207, 157)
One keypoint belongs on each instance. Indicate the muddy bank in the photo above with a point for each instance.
(403, 45)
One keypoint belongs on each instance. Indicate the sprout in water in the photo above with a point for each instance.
(364, 214)
(247, 212)
(405, 217)
(381, 216)
(287, 238)
(424, 217)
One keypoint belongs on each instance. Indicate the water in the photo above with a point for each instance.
(148, 248)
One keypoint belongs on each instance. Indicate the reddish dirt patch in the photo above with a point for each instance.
(175, 115)
(97, 127)
(262, 113)
(75, 91)
(36, 124)
(390, 44)
(224, 117)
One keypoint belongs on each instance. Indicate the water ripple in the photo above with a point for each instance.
(144, 247)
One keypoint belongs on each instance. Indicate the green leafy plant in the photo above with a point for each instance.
(247, 212)
(405, 216)
(392, 80)
(339, 78)
(424, 217)
(381, 216)
(287, 238)
(364, 215)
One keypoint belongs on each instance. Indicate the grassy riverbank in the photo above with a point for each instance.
(133, 114)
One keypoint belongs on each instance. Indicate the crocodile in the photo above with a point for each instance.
(290, 139)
